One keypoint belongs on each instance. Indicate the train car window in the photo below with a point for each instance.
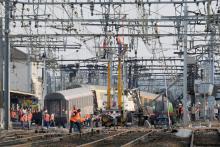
(54, 107)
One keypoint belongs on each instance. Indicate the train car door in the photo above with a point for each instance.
(54, 107)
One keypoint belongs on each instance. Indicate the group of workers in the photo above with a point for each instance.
(24, 115)
(195, 112)
(27, 116)
(49, 120)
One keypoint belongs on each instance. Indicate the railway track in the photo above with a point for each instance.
(162, 138)
(124, 139)
(79, 139)
(131, 137)
(25, 138)
(97, 138)
(205, 138)
(56, 139)
(14, 135)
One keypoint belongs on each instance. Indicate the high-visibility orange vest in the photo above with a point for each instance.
(29, 116)
(21, 118)
(82, 120)
(47, 117)
(76, 117)
(13, 114)
(88, 116)
(24, 118)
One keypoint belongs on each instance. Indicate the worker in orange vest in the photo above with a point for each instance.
(24, 119)
(13, 115)
(29, 118)
(88, 120)
(74, 110)
(75, 120)
(47, 119)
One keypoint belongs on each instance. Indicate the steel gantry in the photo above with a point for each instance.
(46, 30)
(115, 2)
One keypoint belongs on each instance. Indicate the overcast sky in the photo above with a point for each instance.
(132, 11)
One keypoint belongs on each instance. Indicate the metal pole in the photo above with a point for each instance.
(29, 69)
(1, 67)
(185, 115)
(211, 47)
(44, 82)
(109, 86)
(7, 67)
(55, 81)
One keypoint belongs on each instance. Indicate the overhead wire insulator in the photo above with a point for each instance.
(72, 6)
(36, 21)
(81, 10)
(116, 28)
(14, 24)
(22, 15)
(92, 8)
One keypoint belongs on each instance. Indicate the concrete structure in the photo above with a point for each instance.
(24, 75)
(36, 81)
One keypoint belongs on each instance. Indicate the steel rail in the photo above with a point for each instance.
(192, 139)
(25, 139)
(93, 142)
(129, 144)
(50, 140)
(17, 133)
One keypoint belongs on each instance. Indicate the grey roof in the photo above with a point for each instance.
(18, 54)
(70, 93)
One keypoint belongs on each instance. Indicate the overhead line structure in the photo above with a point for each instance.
(155, 69)
(162, 19)
(145, 67)
(126, 60)
(128, 25)
(51, 47)
(149, 2)
(36, 41)
(102, 34)
(48, 45)
(52, 44)
(192, 20)
(142, 74)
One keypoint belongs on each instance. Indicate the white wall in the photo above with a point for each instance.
(19, 76)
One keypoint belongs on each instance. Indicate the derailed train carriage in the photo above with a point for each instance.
(61, 103)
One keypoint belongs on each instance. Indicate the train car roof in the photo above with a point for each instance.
(70, 93)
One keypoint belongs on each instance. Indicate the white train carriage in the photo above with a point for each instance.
(61, 103)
